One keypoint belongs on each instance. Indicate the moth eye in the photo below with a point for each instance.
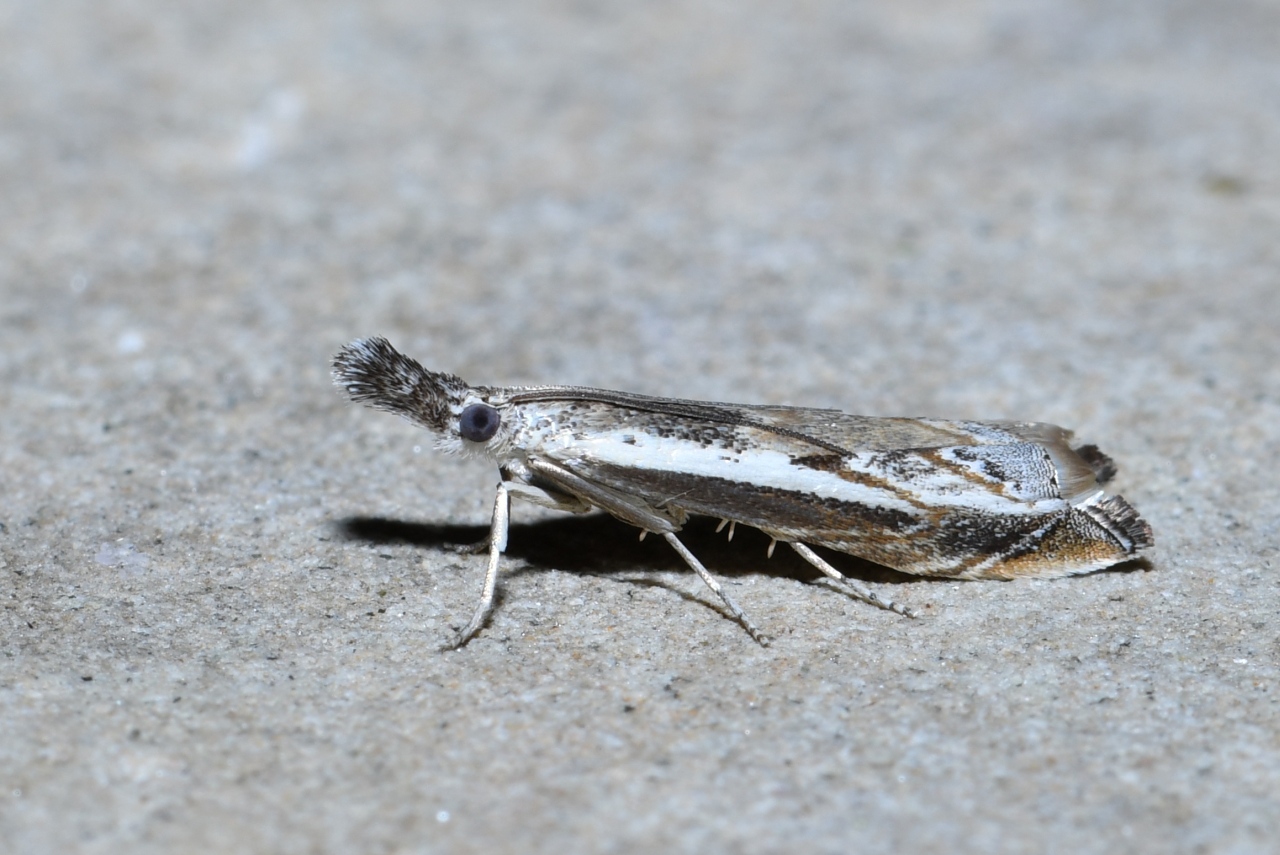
(479, 422)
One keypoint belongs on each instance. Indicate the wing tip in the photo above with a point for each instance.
(1104, 468)
(1122, 520)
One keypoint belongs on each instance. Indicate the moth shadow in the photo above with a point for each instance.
(597, 544)
(1141, 564)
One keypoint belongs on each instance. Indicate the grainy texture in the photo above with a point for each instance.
(224, 587)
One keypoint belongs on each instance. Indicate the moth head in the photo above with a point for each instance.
(374, 373)
(466, 419)
(479, 425)
(479, 422)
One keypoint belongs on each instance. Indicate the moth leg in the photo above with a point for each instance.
(733, 607)
(529, 493)
(857, 589)
(476, 548)
(497, 545)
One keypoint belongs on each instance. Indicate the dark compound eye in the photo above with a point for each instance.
(479, 422)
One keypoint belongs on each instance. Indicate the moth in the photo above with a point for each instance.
(957, 499)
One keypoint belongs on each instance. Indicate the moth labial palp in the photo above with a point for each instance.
(957, 499)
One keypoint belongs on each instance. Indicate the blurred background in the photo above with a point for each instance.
(712, 199)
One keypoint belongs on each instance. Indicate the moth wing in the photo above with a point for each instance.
(831, 429)
(833, 432)
(1079, 472)
(870, 433)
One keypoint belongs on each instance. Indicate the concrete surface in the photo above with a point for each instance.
(225, 589)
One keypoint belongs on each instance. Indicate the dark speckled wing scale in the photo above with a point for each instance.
(971, 500)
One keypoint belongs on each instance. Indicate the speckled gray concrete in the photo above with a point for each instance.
(225, 589)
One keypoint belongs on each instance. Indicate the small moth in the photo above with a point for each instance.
(958, 499)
